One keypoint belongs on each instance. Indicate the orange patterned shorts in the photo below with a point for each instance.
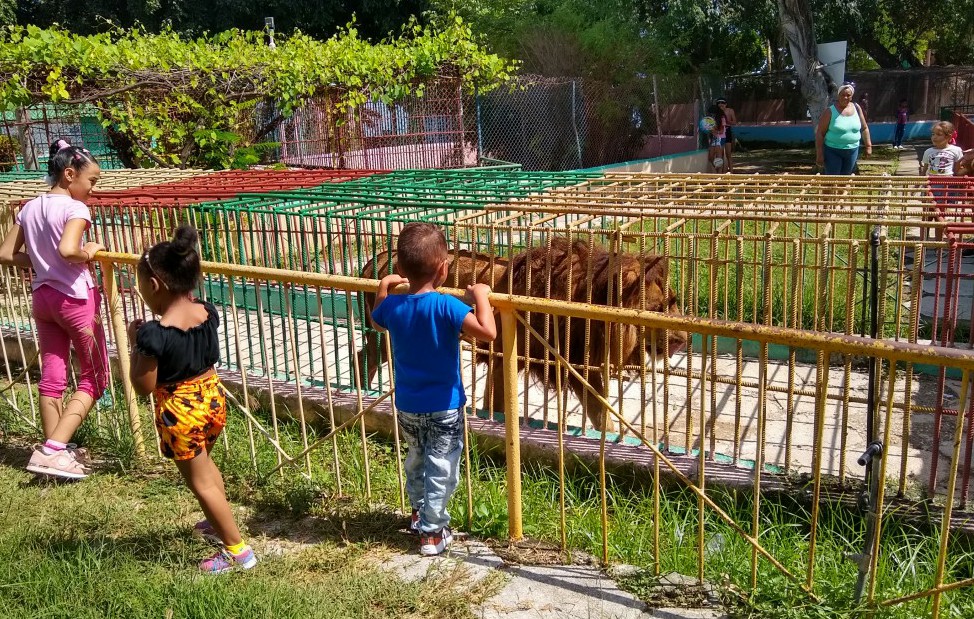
(190, 416)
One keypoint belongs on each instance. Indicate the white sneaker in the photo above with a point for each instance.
(435, 543)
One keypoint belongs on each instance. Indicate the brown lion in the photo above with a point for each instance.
(553, 273)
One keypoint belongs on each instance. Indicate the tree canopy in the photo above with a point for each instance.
(721, 36)
(320, 19)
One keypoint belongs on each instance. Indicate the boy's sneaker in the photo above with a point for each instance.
(413, 528)
(204, 529)
(431, 544)
(224, 561)
(59, 464)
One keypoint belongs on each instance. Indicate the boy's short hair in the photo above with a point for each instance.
(420, 250)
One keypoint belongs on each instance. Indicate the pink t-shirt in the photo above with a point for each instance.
(43, 220)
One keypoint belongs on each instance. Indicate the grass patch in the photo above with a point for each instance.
(120, 544)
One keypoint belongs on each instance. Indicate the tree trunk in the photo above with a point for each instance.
(795, 17)
(25, 133)
(882, 55)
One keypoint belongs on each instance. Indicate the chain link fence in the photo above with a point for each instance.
(540, 123)
(435, 130)
(555, 123)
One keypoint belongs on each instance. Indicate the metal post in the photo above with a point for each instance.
(26, 135)
(269, 26)
(511, 420)
(122, 345)
(578, 141)
(480, 125)
(871, 429)
(868, 501)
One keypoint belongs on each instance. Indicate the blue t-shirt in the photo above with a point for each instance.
(425, 330)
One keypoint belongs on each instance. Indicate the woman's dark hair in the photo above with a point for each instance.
(175, 263)
(64, 156)
(718, 115)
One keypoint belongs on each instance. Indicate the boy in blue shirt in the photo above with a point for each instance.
(425, 327)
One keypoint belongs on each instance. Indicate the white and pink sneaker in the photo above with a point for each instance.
(58, 464)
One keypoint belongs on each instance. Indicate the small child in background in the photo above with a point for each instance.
(902, 117)
(943, 158)
(48, 236)
(173, 358)
(718, 138)
(941, 162)
(425, 326)
(730, 119)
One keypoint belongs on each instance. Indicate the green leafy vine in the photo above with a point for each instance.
(185, 102)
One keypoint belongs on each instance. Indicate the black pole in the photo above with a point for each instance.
(873, 333)
(874, 448)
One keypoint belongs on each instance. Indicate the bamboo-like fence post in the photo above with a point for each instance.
(512, 420)
(122, 345)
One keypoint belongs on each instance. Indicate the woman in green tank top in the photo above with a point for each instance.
(840, 129)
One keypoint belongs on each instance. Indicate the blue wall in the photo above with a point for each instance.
(804, 134)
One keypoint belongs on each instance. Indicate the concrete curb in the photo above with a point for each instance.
(533, 591)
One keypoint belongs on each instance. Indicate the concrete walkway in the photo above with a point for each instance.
(541, 591)
(909, 164)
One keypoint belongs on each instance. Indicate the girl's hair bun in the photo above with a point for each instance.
(184, 240)
(63, 156)
(176, 263)
(58, 145)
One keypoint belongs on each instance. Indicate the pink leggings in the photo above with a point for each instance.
(63, 321)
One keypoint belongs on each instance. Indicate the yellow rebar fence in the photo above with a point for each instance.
(695, 464)
(291, 338)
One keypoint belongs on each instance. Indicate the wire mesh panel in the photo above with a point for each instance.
(343, 228)
(428, 131)
(546, 123)
(27, 133)
(230, 183)
(29, 184)
(336, 228)
(785, 251)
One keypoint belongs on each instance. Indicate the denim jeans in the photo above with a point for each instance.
(898, 135)
(840, 160)
(435, 443)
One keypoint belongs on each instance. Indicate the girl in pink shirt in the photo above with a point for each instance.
(47, 236)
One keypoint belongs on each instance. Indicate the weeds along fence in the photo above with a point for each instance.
(307, 438)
